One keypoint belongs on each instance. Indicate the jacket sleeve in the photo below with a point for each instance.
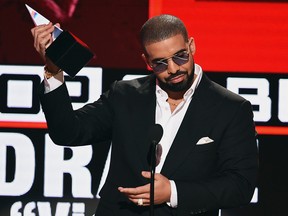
(89, 124)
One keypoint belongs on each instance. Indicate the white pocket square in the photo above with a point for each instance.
(204, 140)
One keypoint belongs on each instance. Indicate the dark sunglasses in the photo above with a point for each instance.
(161, 65)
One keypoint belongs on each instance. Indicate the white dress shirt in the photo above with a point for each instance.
(171, 123)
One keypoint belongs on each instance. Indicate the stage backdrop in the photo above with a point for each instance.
(240, 44)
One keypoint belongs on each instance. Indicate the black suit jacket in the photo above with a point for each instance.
(221, 174)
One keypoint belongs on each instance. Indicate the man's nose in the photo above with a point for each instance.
(172, 66)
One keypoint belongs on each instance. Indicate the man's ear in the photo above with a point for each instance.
(144, 58)
(146, 61)
(192, 46)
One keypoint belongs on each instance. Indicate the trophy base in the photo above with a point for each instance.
(69, 53)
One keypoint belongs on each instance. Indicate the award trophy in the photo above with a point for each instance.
(67, 51)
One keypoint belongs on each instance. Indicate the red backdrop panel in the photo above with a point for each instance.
(234, 36)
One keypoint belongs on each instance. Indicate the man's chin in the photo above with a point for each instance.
(177, 87)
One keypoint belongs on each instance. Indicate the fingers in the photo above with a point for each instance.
(162, 191)
(141, 201)
(139, 193)
(146, 174)
(42, 37)
(58, 25)
(162, 187)
(135, 192)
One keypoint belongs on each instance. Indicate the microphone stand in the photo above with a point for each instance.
(152, 172)
(155, 134)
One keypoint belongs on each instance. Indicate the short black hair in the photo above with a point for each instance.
(161, 27)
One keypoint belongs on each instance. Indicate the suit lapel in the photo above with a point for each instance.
(143, 118)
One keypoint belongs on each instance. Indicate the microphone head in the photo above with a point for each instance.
(154, 136)
(155, 133)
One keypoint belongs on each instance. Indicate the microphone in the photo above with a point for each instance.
(155, 134)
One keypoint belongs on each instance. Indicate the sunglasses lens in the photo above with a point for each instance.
(160, 67)
(181, 59)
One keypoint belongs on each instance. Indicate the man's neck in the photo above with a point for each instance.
(175, 95)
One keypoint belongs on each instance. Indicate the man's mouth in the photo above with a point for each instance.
(176, 78)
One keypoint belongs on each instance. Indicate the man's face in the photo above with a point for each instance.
(172, 62)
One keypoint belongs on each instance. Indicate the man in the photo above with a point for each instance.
(209, 158)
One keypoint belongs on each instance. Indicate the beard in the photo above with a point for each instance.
(178, 87)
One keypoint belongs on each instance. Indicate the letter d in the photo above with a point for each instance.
(24, 164)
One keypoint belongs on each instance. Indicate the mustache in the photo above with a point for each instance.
(178, 73)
